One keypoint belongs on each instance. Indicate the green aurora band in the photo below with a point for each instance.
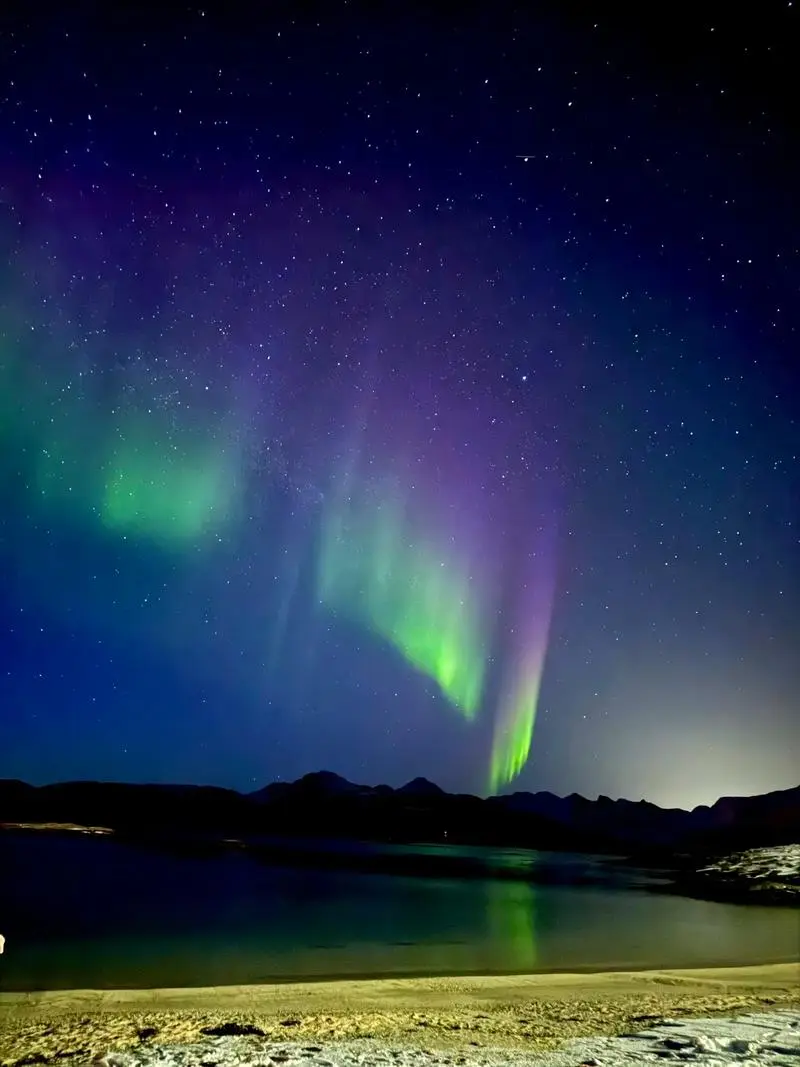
(377, 570)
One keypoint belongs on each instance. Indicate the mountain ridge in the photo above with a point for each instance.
(323, 803)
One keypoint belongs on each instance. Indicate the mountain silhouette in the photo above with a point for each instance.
(325, 805)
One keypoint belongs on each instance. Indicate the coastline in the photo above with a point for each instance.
(764, 875)
(528, 1013)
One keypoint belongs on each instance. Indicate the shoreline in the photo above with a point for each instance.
(118, 998)
(523, 1012)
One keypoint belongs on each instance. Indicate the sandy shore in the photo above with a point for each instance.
(516, 1012)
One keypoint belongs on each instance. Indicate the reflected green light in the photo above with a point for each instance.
(512, 922)
(376, 567)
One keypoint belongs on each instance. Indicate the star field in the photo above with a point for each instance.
(401, 395)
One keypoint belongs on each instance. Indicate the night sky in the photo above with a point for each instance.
(401, 394)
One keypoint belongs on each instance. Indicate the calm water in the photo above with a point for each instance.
(91, 912)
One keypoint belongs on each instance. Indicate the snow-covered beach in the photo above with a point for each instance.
(711, 1017)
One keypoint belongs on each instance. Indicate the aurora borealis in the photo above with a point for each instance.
(409, 530)
(335, 433)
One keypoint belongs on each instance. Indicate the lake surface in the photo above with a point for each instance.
(81, 912)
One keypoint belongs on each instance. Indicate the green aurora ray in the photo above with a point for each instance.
(513, 732)
(515, 715)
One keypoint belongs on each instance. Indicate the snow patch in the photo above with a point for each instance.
(753, 1040)
(779, 863)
